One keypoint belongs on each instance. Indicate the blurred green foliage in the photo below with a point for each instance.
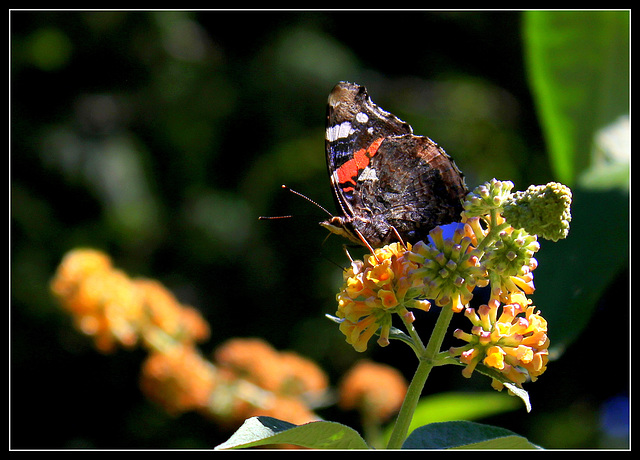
(579, 69)
(160, 137)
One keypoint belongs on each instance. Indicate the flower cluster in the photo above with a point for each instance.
(373, 290)
(115, 309)
(511, 339)
(487, 197)
(101, 299)
(267, 382)
(178, 379)
(544, 210)
(449, 268)
(181, 322)
(247, 376)
(494, 245)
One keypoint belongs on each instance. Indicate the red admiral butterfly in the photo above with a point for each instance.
(387, 182)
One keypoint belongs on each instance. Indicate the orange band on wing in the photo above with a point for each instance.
(348, 172)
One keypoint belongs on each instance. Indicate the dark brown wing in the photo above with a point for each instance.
(353, 123)
(383, 176)
(412, 185)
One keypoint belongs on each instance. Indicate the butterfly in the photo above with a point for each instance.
(388, 183)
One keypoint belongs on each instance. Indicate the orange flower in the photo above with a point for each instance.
(515, 342)
(301, 376)
(284, 373)
(375, 389)
(179, 380)
(251, 359)
(164, 311)
(77, 266)
(104, 304)
(285, 408)
(375, 289)
(101, 299)
(262, 381)
(114, 309)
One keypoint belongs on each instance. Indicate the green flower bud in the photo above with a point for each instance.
(486, 197)
(543, 210)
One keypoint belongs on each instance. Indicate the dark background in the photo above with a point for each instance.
(160, 137)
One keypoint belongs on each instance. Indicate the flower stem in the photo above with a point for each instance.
(409, 405)
(495, 229)
(418, 347)
(425, 364)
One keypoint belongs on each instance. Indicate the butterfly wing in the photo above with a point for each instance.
(353, 124)
(384, 177)
(412, 187)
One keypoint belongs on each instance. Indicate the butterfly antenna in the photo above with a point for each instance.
(306, 198)
(274, 217)
(290, 216)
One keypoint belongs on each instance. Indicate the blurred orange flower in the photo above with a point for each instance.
(285, 373)
(102, 300)
(376, 390)
(164, 311)
(179, 379)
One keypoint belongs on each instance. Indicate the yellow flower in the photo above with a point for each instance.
(495, 357)
(514, 342)
(388, 298)
(359, 332)
(510, 263)
(380, 274)
(373, 290)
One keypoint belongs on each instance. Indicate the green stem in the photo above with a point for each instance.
(426, 363)
(409, 405)
(492, 235)
(418, 347)
(371, 428)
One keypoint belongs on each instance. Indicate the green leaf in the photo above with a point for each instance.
(447, 407)
(574, 273)
(465, 435)
(263, 431)
(611, 167)
(578, 66)
(455, 406)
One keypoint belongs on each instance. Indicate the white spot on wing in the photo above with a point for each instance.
(361, 117)
(339, 131)
(368, 174)
(345, 129)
